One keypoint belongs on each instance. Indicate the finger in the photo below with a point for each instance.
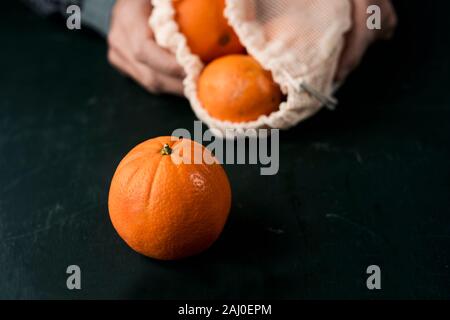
(158, 82)
(121, 56)
(357, 42)
(146, 51)
(159, 59)
(142, 74)
(120, 42)
(121, 63)
(170, 85)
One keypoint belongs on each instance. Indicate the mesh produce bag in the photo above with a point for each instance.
(299, 41)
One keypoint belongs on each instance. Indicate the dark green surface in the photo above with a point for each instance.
(367, 184)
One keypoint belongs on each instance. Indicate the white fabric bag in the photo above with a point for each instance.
(299, 41)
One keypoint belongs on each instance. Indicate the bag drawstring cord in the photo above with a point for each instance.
(329, 102)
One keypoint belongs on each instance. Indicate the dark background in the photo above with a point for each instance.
(366, 184)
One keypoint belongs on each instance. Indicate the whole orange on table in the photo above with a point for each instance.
(206, 29)
(236, 88)
(164, 208)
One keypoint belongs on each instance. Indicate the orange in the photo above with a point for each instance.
(238, 89)
(166, 209)
(206, 29)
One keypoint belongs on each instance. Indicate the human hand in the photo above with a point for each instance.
(133, 51)
(360, 37)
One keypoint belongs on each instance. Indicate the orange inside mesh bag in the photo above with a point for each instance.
(299, 41)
